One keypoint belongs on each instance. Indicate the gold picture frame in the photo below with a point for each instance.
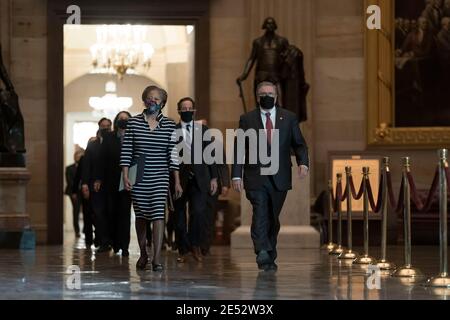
(380, 74)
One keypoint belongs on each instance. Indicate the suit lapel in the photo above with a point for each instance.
(258, 119)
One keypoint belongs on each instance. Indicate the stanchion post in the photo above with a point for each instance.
(443, 279)
(330, 245)
(365, 258)
(383, 264)
(349, 254)
(407, 271)
(339, 248)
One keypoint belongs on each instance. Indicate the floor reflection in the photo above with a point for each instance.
(225, 274)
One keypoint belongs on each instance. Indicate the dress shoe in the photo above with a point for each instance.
(102, 249)
(157, 267)
(142, 262)
(125, 253)
(197, 254)
(181, 259)
(272, 267)
(263, 259)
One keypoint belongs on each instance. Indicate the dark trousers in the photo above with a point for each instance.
(88, 222)
(196, 236)
(101, 219)
(211, 220)
(119, 214)
(170, 227)
(76, 206)
(267, 203)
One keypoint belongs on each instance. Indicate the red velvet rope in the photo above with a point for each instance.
(338, 199)
(375, 207)
(398, 205)
(361, 189)
(414, 194)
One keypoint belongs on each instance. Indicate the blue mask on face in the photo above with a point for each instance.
(152, 108)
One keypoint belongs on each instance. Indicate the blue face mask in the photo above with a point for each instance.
(152, 108)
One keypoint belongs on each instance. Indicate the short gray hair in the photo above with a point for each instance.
(265, 84)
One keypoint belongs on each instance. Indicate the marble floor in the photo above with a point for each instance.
(226, 274)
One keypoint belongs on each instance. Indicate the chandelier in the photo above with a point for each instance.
(120, 49)
(110, 104)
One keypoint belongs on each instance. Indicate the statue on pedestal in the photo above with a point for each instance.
(12, 138)
(281, 63)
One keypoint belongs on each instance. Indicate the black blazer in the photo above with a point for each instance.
(92, 158)
(70, 177)
(76, 184)
(108, 170)
(290, 138)
(203, 173)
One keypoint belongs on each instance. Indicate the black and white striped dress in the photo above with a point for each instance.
(159, 148)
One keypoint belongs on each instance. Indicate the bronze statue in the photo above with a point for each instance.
(11, 120)
(281, 63)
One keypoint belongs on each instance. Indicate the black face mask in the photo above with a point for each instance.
(267, 102)
(104, 132)
(122, 123)
(187, 116)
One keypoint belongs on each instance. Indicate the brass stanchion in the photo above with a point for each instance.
(384, 264)
(407, 271)
(349, 254)
(365, 258)
(443, 279)
(339, 248)
(330, 246)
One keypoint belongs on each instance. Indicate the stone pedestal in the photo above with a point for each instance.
(15, 230)
(296, 231)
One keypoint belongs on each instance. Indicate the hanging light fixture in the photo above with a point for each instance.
(120, 49)
(110, 103)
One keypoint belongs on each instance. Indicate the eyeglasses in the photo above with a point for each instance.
(270, 94)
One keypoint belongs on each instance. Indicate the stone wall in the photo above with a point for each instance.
(24, 37)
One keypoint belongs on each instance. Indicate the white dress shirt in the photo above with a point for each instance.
(273, 114)
(185, 130)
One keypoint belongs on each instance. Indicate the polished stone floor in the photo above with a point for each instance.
(226, 274)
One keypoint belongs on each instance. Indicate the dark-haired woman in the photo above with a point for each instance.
(118, 203)
(150, 141)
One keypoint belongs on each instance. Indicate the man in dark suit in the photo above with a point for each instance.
(267, 193)
(71, 172)
(88, 222)
(197, 180)
(118, 203)
(91, 186)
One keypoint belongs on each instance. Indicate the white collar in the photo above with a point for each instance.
(271, 111)
(184, 124)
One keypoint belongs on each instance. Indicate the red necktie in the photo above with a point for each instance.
(269, 128)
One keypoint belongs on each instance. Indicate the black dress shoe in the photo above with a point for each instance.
(263, 258)
(125, 253)
(142, 263)
(103, 249)
(157, 267)
(272, 267)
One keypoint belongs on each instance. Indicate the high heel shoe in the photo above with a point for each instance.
(142, 263)
(157, 267)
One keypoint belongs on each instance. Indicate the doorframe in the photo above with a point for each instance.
(156, 12)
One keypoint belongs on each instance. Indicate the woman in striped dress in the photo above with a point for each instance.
(150, 137)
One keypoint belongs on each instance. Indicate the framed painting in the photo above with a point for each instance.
(408, 74)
